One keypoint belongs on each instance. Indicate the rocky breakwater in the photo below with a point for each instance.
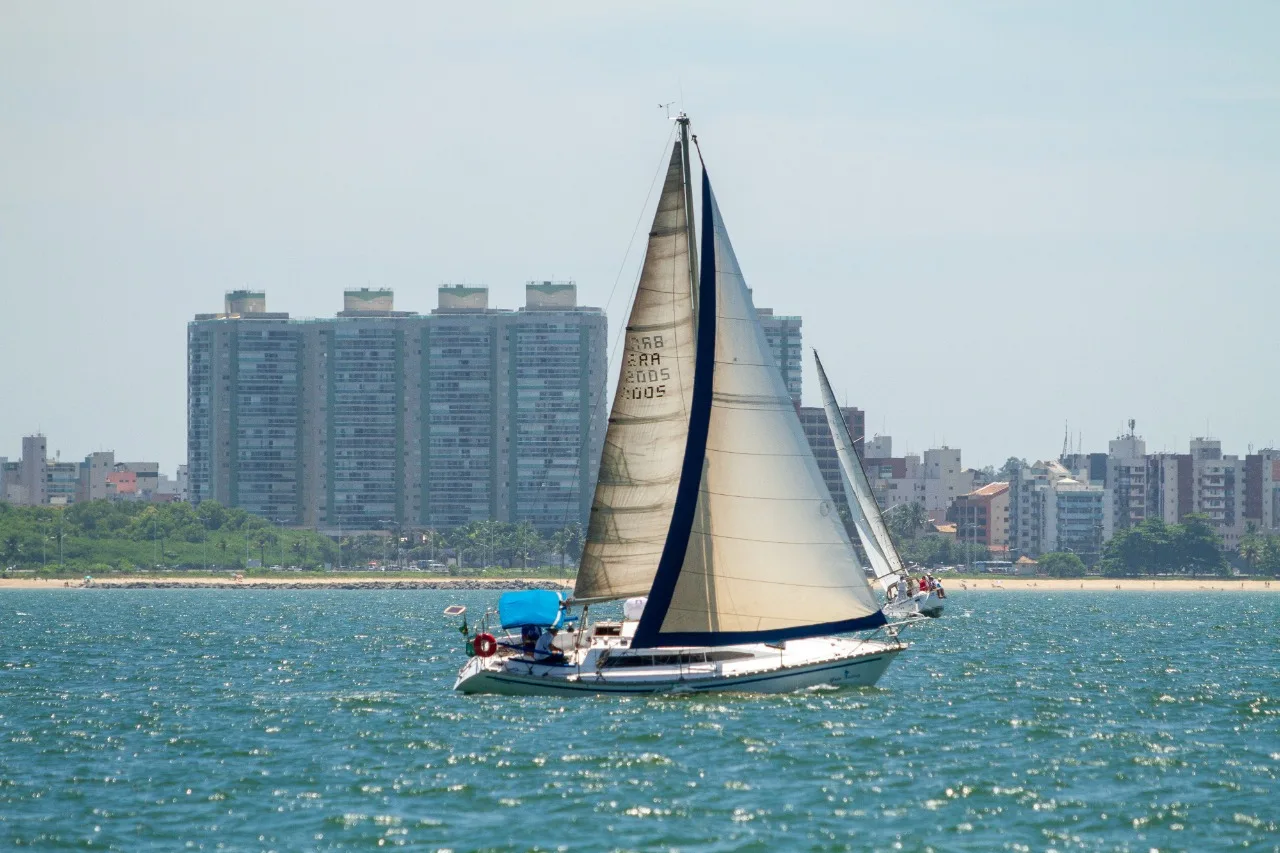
(481, 585)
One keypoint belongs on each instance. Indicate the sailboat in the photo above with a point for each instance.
(868, 521)
(710, 518)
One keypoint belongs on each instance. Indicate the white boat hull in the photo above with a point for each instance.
(801, 664)
(921, 604)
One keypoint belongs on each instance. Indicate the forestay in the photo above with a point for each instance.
(645, 443)
(867, 519)
(757, 552)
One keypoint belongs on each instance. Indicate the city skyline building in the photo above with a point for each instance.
(982, 516)
(378, 419)
(813, 419)
(785, 337)
(36, 480)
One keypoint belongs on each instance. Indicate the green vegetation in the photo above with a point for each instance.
(933, 549)
(1153, 547)
(1060, 564)
(101, 536)
(1261, 554)
(122, 536)
(905, 523)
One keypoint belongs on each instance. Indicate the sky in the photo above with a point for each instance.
(996, 219)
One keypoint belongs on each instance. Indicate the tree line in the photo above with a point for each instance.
(906, 524)
(1153, 547)
(126, 535)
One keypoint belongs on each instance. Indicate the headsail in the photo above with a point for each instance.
(645, 443)
(756, 549)
(867, 519)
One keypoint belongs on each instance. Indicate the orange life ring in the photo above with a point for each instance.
(484, 645)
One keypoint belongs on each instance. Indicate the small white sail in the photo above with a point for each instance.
(767, 556)
(645, 442)
(867, 519)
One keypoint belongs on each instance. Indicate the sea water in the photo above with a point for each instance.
(325, 720)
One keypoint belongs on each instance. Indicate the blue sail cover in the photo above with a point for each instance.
(537, 607)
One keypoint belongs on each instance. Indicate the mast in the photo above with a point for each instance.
(683, 121)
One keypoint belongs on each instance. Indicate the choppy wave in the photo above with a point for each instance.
(325, 720)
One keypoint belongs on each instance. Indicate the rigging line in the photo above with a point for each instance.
(622, 336)
(639, 219)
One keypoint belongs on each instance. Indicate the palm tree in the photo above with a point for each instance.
(525, 539)
(1252, 550)
(560, 543)
(264, 538)
(905, 520)
(917, 517)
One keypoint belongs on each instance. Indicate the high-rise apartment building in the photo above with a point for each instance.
(380, 418)
(785, 341)
(244, 385)
(1126, 482)
(35, 469)
(463, 394)
(1049, 510)
(814, 421)
(558, 406)
(1262, 489)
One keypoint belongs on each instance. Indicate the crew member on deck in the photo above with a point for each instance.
(545, 652)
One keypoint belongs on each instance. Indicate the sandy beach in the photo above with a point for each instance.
(401, 582)
(1113, 584)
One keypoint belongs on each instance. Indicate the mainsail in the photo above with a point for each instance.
(644, 446)
(867, 520)
(756, 550)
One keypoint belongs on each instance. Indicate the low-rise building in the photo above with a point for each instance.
(982, 516)
(934, 481)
